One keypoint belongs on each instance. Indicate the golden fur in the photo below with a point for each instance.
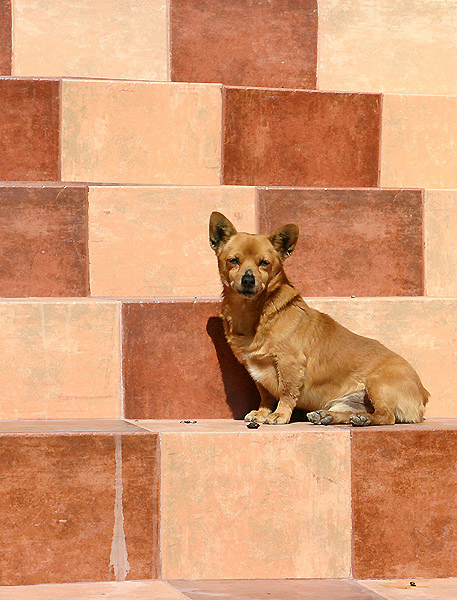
(299, 356)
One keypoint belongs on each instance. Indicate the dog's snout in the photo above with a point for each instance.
(248, 279)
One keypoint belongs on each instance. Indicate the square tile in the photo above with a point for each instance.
(299, 138)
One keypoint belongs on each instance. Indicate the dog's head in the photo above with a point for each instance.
(249, 263)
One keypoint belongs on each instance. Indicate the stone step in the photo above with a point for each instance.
(115, 500)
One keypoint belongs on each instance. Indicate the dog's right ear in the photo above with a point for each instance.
(220, 230)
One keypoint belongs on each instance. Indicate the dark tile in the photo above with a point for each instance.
(66, 503)
(404, 491)
(298, 138)
(361, 242)
(269, 589)
(5, 37)
(256, 43)
(178, 365)
(29, 130)
(43, 241)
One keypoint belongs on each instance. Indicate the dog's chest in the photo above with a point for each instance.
(262, 369)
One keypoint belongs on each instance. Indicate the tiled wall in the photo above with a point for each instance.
(129, 126)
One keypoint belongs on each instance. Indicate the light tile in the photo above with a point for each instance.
(425, 589)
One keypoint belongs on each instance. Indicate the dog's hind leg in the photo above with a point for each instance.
(340, 410)
(383, 397)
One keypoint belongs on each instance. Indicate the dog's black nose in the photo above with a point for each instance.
(248, 279)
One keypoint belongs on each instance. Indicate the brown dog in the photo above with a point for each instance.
(299, 356)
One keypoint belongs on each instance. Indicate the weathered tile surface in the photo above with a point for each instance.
(299, 138)
(388, 46)
(404, 485)
(361, 242)
(153, 241)
(425, 589)
(422, 330)
(236, 506)
(60, 360)
(178, 365)
(43, 241)
(52, 426)
(113, 40)
(5, 37)
(29, 125)
(441, 243)
(271, 44)
(137, 132)
(419, 141)
(77, 508)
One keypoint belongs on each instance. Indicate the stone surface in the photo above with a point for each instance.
(29, 122)
(299, 138)
(425, 589)
(78, 507)
(112, 40)
(136, 132)
(153, 241)
(60, 360)
(43, 241)
(236, 506)
(440, 243)
(388, 46)
(271, 44)
(419, 141)
(178, 365)
(5, 37)
(404, 485)
(361, 242)
(52, 426)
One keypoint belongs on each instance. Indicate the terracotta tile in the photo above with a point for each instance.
(29, 123)
(43, 241)
(60, 360)
(270, 44)
(419, 134)
(47, 426)
(422, 330)
(389, 46)
(404, 503)
(441, 242)
(127, 132)
(298, 138)
(153, 241)
(178, 365)
(244, 507)
(232, 426)
(425, 589)
(125, 590)
(91, 39)
(5, 37)
(68, 504)
(361, 242)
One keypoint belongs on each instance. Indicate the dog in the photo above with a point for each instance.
(298, 356)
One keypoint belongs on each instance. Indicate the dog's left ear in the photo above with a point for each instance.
(285, 239)
(220, 230)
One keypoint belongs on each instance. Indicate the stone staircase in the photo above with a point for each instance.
(122, 126)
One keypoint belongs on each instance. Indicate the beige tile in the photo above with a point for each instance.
(270, 505)
(153, 241)
(60, 360)
(106, 38)
(441, 243)
(422, 330)
(419, 141)
(137, 132)
(389, 46)
(126, 590)
(425, 589)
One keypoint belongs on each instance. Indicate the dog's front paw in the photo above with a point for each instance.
(319, 417)
(257, 416)
(359, 420)
(277, 418)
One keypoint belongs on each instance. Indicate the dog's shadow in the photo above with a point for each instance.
(240, 390)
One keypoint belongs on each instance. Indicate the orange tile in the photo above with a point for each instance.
(60, 360)
(153, 241)
(137, 132)
(245, 506)
(423, 330)
(441, 243)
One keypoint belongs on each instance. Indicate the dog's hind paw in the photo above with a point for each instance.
(359, 420)
(319, 417)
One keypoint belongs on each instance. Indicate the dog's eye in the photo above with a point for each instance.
(234, 261)
(264, 263)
